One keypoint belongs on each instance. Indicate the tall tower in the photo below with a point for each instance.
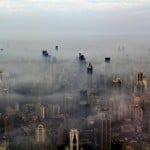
(40, 134)
(53, 110)
(105, 132)
(89, 74)
(116, 84)
(82, 62)
(146, 111)
(138, 111)
(145, 82)
(74, 139)
(42, 112)
(1, 75)
(8, 124)
(62, 138)
(140, 87)
(107, 66)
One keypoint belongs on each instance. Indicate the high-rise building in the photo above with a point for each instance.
(3, 143)
(107, 59)
(108, 68)
(146, 111)
(90, 69)
(105, 132)
(40, 134)
(89, 75)
(138, 111)
(62, 138)
(116, 85)
(82, 62)
(8, 124)
(145, 82)
(74, 139)
(141, 84)
(41, 111)
(17, 107)
(53, 110)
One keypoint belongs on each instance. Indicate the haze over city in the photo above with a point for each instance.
(74, 74)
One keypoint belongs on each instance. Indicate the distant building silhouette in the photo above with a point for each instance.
(41, 111)
(82, 62)
(56, 47)
(62, 138)
(141, 84)
(116, 84)
(108, 69)
(53, 110)
(90, 69)
(105, 132)
(8, 124)
(45, 53)
(146, 111)
(107, 59)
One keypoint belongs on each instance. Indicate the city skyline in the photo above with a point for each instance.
(74, 75)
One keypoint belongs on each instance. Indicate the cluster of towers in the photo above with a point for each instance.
(45, 53)
(40, 137)
(82, 63)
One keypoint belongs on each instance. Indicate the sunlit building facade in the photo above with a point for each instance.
(74, 139)
(40, 134)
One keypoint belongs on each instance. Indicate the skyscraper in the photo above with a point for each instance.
(74, 139)
(41, 111)
(146, 111)
(62, 138)
(40, 134)
(107, 66)
(105, 132)
(116, 83)
(8, 124)
(140, 87)
(138, 111)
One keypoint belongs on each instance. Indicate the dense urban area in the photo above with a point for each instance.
(79, 104)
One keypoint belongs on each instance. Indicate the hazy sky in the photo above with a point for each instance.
(31, 18)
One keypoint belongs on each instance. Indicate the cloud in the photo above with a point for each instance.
(44, 17)
(70, 5)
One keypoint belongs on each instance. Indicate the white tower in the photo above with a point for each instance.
(42, 112)
(40, 134)
(74, 139)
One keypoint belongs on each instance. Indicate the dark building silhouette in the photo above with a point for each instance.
(140, 87)
(116, 84)
(45, 53)
(90, 69)
(81, 58)
(146, 111)
(105, 132)
(8, 124)
(62, 138)
(56, 47)
(107, 59)
(82, 62)
(83, 94)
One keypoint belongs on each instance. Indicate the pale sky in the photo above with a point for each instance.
(23, 18)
